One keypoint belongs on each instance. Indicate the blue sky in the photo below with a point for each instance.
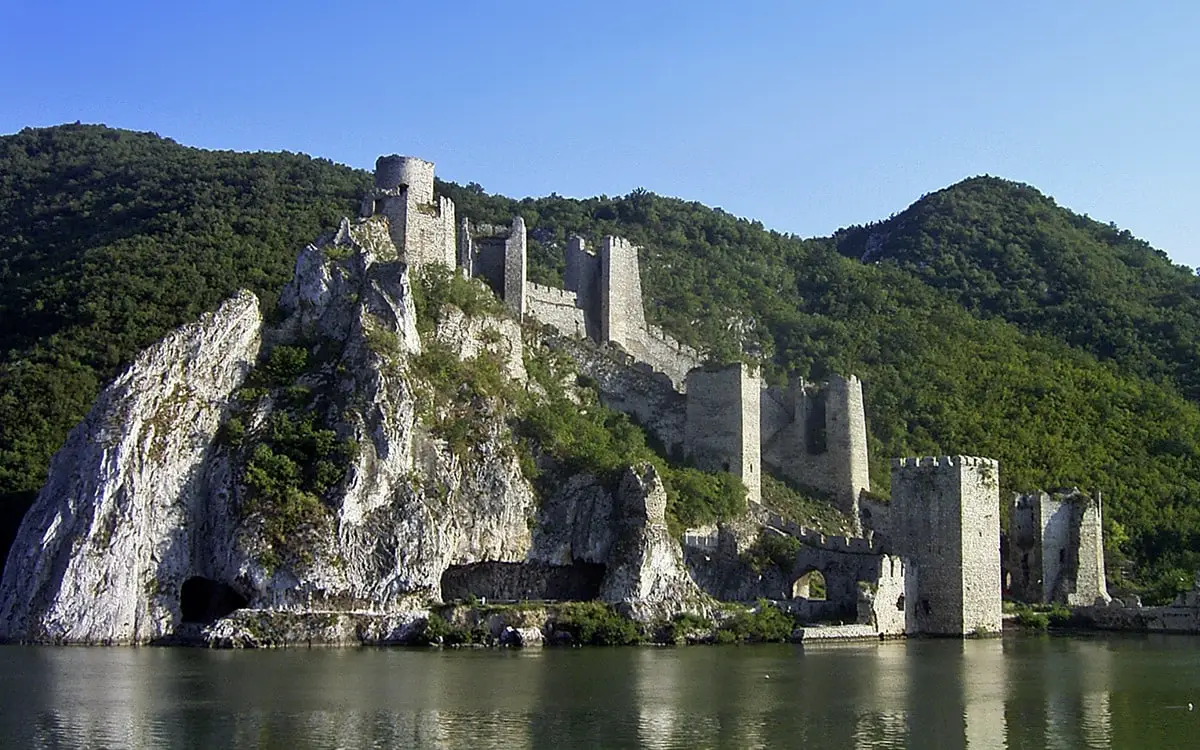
(806, 116)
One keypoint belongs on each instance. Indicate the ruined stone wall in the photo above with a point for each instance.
(631, 388)
(662, 352)
(1055, 550)
(582, 276)
(722, 428)
(884, 603)
(1090, 579)
(1023, 574)
(946, 522)
(556, 307)
(487, 261)
(522, 581)
(851, 568)
(818, 438)
(1056, 521)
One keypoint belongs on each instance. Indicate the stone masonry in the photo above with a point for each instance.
(422, 225)
(721, 429)
(817, 437)
(1055, 550)
(946, 522)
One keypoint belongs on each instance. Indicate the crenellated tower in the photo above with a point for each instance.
(946, 520)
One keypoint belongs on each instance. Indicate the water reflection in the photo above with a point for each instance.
(1015, 693)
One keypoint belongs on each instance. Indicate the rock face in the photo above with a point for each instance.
(117, 522)
(646, 576)
(145, 503)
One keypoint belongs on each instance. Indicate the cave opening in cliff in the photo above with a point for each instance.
(204, 600)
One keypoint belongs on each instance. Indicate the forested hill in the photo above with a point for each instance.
(1003, 249)
(108, 239)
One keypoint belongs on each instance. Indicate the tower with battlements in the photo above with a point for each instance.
(946, 523)
(421, 224)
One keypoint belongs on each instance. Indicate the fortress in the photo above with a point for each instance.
(928, 561)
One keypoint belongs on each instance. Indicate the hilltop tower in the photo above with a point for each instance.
(721, 432)
(622, 319)
(946, 520)
(421, 224)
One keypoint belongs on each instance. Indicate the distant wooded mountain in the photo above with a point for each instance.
(983, 320)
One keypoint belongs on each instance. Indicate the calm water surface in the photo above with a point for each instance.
(1020, 692)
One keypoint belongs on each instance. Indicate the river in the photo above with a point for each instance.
(1018, 692)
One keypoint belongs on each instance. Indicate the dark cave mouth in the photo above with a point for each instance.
(203, 600)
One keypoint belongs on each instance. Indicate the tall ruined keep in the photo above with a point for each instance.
(946, 522)
(1055, 549)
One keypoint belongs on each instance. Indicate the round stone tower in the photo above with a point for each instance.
(393, 172)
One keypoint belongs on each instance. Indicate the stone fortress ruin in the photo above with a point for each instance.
(926, 562)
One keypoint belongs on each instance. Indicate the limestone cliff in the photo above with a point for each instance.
(146, 495)
(129, 499)
(203, 481)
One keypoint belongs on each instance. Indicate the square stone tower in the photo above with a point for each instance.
(721, 432)
(946, 523)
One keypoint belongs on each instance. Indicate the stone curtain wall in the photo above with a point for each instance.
(556, 307)
(647, 396)
(722, 428)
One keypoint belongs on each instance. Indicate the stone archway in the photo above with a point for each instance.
(810, 585)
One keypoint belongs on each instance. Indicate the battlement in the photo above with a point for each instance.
(552, 295)
(669, 341)
(865, 545)
(904, 465)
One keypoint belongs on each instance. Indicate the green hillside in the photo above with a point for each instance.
(1002, 249)
(108, 239)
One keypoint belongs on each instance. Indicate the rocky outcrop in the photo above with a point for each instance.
(646, 576)
(144, 498)
(118, 520)
(153, 525)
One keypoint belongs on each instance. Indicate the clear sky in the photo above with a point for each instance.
(807, 116)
